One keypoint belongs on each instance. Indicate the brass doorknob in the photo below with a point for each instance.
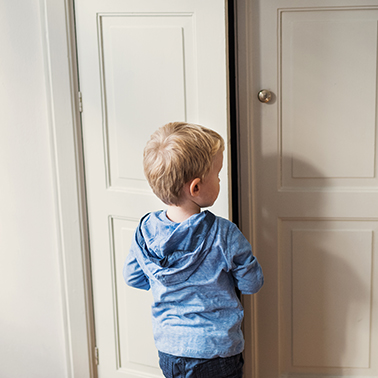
(264, 95)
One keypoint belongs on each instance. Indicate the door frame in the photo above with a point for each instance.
(59, 44)
(58, 30)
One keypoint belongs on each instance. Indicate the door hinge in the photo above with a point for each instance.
(80, 97)
(96, 355)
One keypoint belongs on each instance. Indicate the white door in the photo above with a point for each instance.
(141, 64)
(314, 179)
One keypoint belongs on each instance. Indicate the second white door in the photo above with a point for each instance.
(310, 162)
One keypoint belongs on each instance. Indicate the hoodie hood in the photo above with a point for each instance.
(171, 252)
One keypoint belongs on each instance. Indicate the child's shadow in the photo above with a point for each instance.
(328, 283)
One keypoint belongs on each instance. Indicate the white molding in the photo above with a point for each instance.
(62, 89)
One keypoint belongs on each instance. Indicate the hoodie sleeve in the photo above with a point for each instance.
(245, 268)
(133, 273)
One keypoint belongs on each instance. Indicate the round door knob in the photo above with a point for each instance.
(264, 95)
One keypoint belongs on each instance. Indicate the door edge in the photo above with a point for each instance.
(244, 72)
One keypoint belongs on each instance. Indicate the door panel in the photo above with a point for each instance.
(154, 75)
(326, 294)
(131, 307)
(141, 64)
(313, 175)
(328, 90)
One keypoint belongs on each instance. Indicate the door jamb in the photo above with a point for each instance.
(65, 131)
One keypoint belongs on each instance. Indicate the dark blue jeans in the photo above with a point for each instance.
(183, 367)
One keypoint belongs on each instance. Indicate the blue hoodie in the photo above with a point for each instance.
(193, 268)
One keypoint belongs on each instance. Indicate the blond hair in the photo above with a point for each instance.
(177, 153)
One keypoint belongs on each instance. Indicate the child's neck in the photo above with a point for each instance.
(180, 213)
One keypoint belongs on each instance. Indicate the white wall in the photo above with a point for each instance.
(31, 315)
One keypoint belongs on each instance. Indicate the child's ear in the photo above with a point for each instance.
(194, 187)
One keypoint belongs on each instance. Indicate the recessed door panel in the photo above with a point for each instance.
(328, 65)
(326, 294)
(145, 59)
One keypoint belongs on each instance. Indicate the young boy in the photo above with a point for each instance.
(192, 260)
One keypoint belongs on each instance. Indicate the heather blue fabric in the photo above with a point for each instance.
(182, 367)
(193, 268)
